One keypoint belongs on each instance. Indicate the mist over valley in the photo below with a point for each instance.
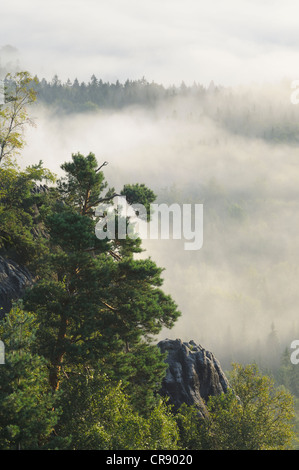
(235, 151)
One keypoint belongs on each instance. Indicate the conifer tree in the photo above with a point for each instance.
(97, 305)
(27, 412)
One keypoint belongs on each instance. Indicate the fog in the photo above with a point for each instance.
(236, 152)
(235, 41)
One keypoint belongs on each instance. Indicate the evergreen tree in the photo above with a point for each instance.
(21, 209)
(27, 411)
(96, 304)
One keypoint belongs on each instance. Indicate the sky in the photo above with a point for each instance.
(166, 41)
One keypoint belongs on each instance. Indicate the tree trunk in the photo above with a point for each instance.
(59, 352)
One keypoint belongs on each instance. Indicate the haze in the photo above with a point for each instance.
(232, 156)
(232, 42)
(236, 151)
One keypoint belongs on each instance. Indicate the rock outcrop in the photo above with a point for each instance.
(193, 375)
(13, 281)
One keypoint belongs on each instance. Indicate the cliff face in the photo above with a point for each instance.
(13, 280)
(192, 376)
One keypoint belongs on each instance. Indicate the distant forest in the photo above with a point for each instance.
(96, 94)
(253, 113)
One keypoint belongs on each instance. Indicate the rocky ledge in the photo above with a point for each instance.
(193, 375)
(13, 281)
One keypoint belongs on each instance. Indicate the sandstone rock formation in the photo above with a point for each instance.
(192, 376)
(13, 280)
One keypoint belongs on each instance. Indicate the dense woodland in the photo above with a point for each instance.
(238, 111)
(82, 367)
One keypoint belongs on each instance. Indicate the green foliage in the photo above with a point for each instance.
(90, 412)
(27, 412)
(104, 419)
(19, 93)
(252, 415)
(19, 220)
(94, 301)
(139, 194)
(257, 416)
(83, 183)
(191, 428)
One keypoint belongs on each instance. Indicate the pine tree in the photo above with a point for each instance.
(96, 304)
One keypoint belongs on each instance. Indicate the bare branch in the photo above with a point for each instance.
(103, 164)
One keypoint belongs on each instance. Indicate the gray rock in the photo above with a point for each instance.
(13, 281)
(193, 375)
(40, 188)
